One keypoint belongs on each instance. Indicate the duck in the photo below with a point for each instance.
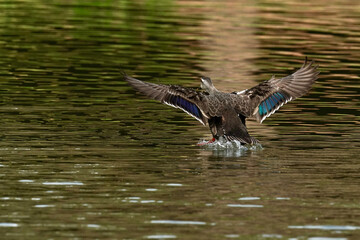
(226, 112)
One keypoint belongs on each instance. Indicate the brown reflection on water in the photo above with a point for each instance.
(248, 43)
(231, 44)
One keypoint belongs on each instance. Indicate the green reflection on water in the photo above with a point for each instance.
(63, 74)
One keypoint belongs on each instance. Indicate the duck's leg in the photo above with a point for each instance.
(204, 143)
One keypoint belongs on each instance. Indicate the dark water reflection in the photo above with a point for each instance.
(83, 156)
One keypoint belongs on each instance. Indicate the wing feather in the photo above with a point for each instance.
(185, 99)
(267, 97)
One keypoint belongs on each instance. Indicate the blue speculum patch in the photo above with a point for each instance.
(270, 103)
(260, 110)
(280, 95)
(186, 105)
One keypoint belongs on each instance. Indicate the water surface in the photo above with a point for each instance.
(82, 155)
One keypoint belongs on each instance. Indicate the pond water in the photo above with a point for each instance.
(82, 155)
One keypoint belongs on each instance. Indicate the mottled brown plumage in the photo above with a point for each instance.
(226, 112)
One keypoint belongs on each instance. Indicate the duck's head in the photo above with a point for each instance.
(207, 84)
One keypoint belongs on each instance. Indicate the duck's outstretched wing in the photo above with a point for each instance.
(187, 99)
(267, 97)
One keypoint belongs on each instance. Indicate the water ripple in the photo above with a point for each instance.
(161, 236)
(5, 224)
(177, 222)
(326, 227)
(62, 183)
(245, 205)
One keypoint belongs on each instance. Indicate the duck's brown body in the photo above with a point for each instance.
(226, 112)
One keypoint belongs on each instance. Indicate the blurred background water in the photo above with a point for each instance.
(82, 155)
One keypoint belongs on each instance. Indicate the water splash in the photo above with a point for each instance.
(224, 148)
(222, 144)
